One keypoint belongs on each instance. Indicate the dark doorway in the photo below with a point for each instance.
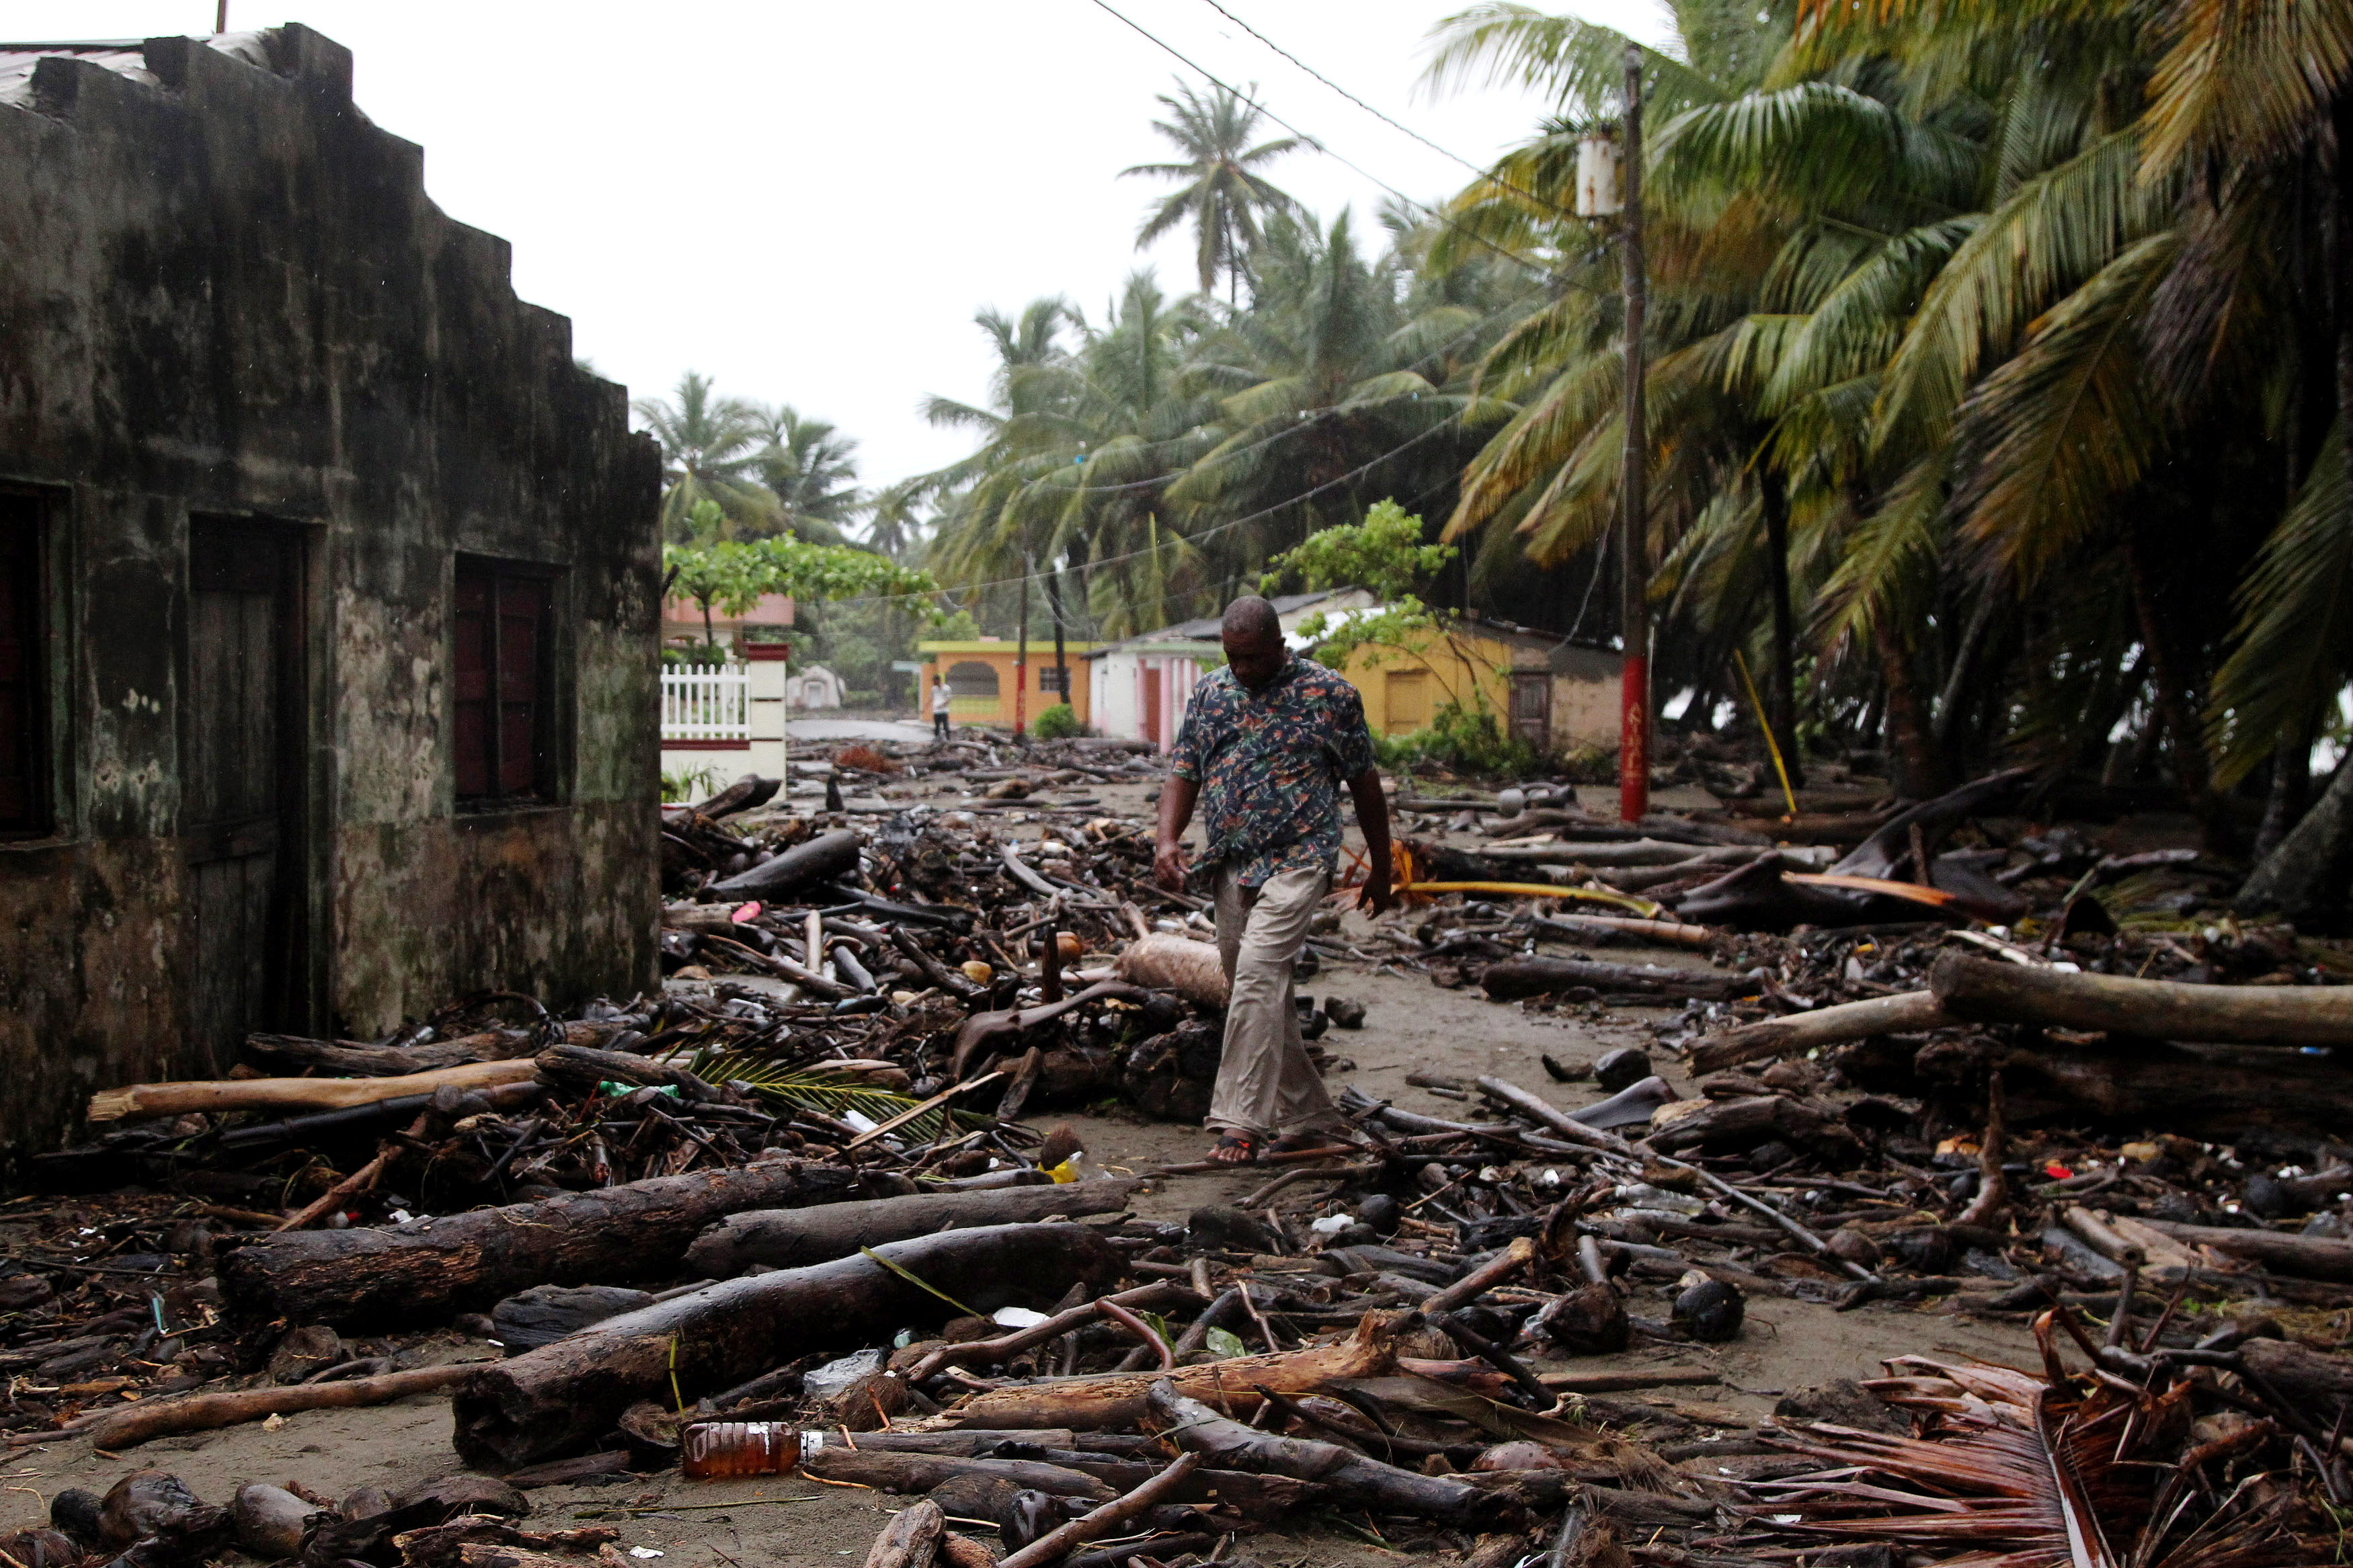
(243, 782)
(1531, 707)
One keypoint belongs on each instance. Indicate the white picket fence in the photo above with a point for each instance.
(706, 705)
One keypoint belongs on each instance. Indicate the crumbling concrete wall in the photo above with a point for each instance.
(225, 292)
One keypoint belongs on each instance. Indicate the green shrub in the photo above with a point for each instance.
(689, 783)
(1057, 723)
(1468, 740)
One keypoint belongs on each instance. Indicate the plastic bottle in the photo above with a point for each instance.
(713, 1449)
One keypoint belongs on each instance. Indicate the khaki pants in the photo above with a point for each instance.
(1266, 1085)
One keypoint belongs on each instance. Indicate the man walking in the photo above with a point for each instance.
(1267, 742)
(941, 697)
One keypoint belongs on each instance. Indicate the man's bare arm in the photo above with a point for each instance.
(1176, 798)
(1372, 821)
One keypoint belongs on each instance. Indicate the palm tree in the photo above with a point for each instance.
(710, 451)
(808, 466)
(1222, 194)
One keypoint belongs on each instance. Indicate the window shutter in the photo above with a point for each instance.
(522, 611)
(20, 747)
(473, 682)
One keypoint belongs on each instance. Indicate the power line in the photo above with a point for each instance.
(1423, 208)
(1176, 538)
(1385, 118)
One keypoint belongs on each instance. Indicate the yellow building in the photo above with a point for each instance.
(982, 679)
(1555, 694)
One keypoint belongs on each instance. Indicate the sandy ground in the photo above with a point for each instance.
(1412, 1026)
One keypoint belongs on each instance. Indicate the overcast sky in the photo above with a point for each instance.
(808, 202)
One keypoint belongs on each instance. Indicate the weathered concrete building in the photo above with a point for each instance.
(328, 585)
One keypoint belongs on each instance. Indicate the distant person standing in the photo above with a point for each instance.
(1268, 743)
(941, 697)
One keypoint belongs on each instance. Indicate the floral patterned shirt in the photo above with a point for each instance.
(1270, 764)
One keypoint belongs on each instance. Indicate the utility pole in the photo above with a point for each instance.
(1634, 688)
(1021, 653)
(220, 18)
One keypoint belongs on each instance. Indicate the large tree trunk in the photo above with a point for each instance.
(2290, 790)
(412, 1275)
(1953, 700)
(1909, 736)
(1781, 701)
(2307, 874)
(561, 1396)
(1983, 991)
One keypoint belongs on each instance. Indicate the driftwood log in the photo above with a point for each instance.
(1515, 977)
(2305, 1257)
(1118, 1401)
(793, 1239)
(360, 1061)
(1353, 1480)
(424, 1271)
(2206, 1091)
(204, 1412)
(990, 1031)
(140, 1102)
(563, 1395)
(1986, 991)
(1907, 1013)
(820, 860)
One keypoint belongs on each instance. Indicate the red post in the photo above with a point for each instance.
(1635, 739)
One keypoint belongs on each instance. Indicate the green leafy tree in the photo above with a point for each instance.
(731, 577)
(1222, 194)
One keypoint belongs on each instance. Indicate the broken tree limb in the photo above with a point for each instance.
(794, 1238)
(986, 1029)
(422, 1272)
(1495, 1272)
(561, 1395)
(356, 1059)
(1515, 977)
(1005, 1347)
(1117, 1402)
(1191, 969)
(820, 859)
(889, 1470)
(1052, 1546)
(1552, 1116)
(1675, 932)
(204, 1412)
(139, 1102)
(1355, 1479)
(2305, 1257)
(1907, 1013)
(1987, 992)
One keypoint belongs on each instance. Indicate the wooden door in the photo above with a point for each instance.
(1406, 702)
(1531, 707)
(243, 727)
(1149, 672)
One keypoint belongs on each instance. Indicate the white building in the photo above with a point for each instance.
(1141, 685)
(812, 687)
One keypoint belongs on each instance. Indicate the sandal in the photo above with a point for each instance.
(1234, 1148)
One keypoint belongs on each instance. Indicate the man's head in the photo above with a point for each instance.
(1252, 638)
